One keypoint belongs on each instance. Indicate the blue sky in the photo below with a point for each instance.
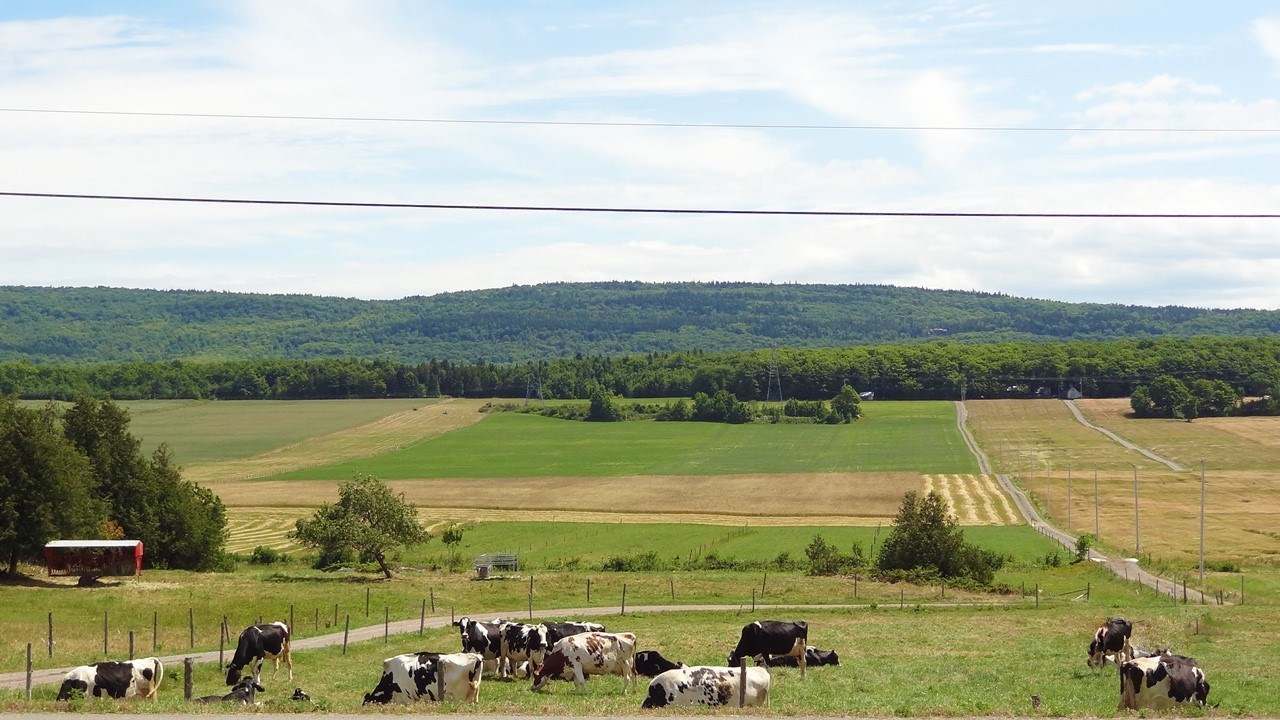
(1150, 68)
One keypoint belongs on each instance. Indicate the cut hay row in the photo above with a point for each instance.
(993, 489)
(972, 499)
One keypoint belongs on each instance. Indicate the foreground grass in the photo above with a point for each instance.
(914, 436)
(910, 662)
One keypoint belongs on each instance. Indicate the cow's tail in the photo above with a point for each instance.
(155, 684)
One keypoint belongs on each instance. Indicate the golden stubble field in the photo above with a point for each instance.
(1047, 450)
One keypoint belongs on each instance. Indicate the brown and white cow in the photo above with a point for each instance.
(704, 685)
(577, 656)
(1111, 639)
(416, 676)
(131, 678)
(1160, 682)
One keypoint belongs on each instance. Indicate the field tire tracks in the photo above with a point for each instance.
(1121, 441)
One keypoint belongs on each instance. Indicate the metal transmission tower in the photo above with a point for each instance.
(775, 379)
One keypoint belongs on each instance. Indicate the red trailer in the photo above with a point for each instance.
(93, 558)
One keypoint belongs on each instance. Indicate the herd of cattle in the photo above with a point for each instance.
(573, 651)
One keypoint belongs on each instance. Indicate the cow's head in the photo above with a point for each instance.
(382, 694)
(233, 673)
(556, 666)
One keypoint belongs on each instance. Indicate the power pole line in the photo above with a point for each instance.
(775, 378)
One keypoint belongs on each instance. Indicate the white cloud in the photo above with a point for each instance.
(1267, 32)
(1156, 87)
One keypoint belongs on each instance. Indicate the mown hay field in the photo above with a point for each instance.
(1052, 456)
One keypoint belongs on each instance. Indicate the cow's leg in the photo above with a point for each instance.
(578, 679)
(288, 658)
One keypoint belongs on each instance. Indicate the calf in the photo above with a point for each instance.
(484, 639)
(132, 678)
(523, 643)
(650, 663)
(1160, 682)
(265, 641)
(416, 676)
(1111, 639)
(558, 630)
(812, 656)
(702, 685)
(772, 637)
(242, 693)
(577, 656)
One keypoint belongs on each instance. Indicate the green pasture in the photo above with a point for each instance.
(544, 544)
(212, 430)
(912, 436)
(913, 661)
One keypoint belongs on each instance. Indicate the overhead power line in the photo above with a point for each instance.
(641, 124)
(638, 210)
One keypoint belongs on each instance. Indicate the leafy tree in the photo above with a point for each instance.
(927, 537)
(181, 524)
(846, 405)
(1214, 398)
(452, 537)
(46, 484)
(826, 559)
(1170, 398)
(368, 518)
(604, 406)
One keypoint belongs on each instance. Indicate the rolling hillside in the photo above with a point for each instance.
(55, 325)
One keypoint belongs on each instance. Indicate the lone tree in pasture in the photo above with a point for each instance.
(927, 538)
(368, 518)
(846, 405)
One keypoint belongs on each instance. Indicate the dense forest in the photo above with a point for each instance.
(559, 320)
(933, 370)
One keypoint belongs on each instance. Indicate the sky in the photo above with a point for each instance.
(1081, 107)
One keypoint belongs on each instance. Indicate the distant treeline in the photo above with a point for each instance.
(555, 320)
(937, 370)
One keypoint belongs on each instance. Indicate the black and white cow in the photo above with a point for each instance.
(265, 641)
(523, 644)
(650, 663)
(1161, 681)
(763, 638)
(812, 656)
(558, 630)
(416, 676)
(594, 653)
(1111, 639)
(703, 685)
(242, 693)
(131, 678)
(484, 639)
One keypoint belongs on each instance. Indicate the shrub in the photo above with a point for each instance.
(263, 555)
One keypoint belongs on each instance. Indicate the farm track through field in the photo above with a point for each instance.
(382, 436)
(1124, 443)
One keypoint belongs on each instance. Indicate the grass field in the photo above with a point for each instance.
(913, 436)
(926, 661)
(1042, 444)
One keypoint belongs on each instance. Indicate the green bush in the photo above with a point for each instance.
(263, 555)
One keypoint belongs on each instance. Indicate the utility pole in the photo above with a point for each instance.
(1068, 497)
(1097, 528)
(1202, 524)
(775, 378)
(1137, 538)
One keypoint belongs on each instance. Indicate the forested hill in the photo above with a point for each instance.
(519, 323)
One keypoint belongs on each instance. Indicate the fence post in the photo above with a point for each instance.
(317, 620)
(672, 583)
(222, 645)
(187, 666)
(855, 587)
(346, 631)
(753, 599)
(130, 644)
(1088, 590)
(439, 682)
(588, 591)
(335, 615)
(433, 599)
(366, 602)
(422, 621)
(50, 634)
(191, 628)
(764, 582)
(155, 630)
(742, 681)
(28, 671)
(1241, 589)
(104, 633)
(386, 624)
(624, 599)
(1037, 594)
(901, 597)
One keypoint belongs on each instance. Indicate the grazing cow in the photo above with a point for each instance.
(242, 693)
(131, 678)
(650, 663)
(763, 638)
(1111, 639)
(265, 641)
(484, 639)
(416, 676)
(702, 685)
(1161, 681)
(523, 643)
(577, 656)
(812, 656)
(558, 630)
